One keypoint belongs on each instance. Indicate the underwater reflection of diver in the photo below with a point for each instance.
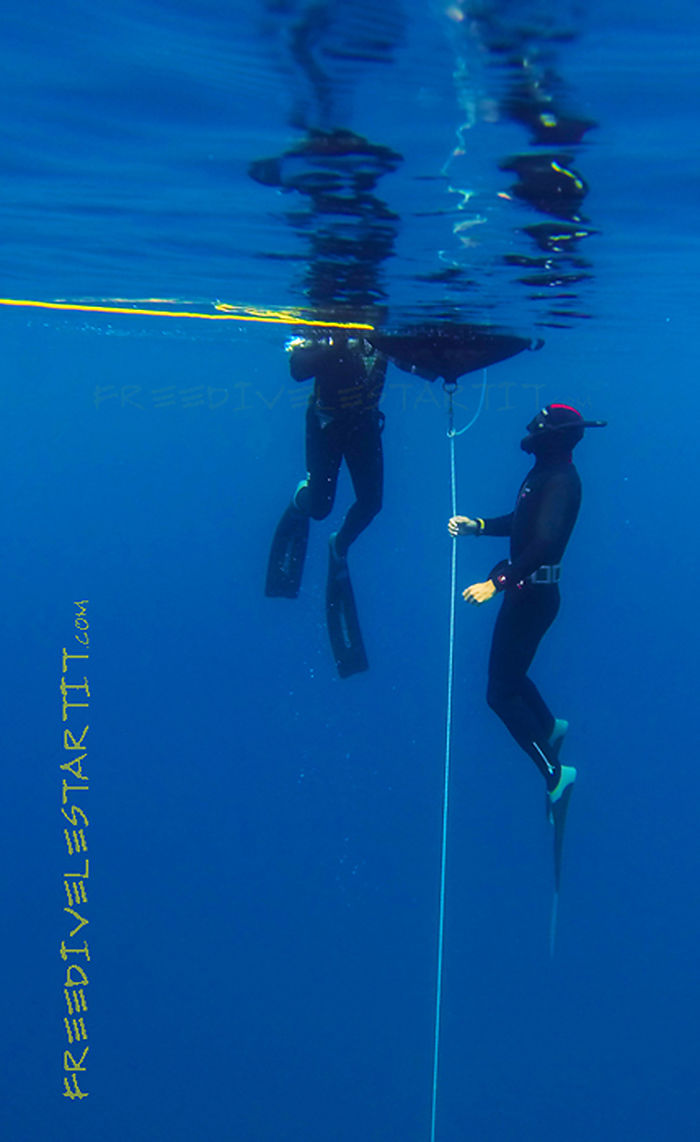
(548, 123)
(348, 233)
(326, 163)
(548, 182)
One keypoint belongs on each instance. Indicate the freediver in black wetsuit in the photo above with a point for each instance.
(343, 422)
(539, 528)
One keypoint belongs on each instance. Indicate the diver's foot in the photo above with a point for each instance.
(558, 734)
(567, 778)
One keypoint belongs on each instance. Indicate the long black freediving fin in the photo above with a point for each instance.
(341, 618)
(287, 555)
(557, 812)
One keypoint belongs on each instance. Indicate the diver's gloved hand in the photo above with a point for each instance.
(463, 525)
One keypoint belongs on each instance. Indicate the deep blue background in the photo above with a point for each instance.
(264, 837)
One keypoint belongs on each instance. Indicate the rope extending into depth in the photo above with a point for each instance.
(451, 434)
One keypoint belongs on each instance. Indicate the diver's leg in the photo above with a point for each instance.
(522, 621)
(554, 729)
(364, 458)
(362, 450)
(324, 451)
(537, 704)
(313, 498)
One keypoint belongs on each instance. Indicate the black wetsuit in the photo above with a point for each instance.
(343, 421)
(539, 529)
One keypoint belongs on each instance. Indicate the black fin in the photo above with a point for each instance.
(557, 815)
(287, 555)
(553, 922)
(341, 618)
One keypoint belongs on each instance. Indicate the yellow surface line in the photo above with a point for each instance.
(270, 316)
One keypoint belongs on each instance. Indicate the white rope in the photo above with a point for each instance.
(473, 420)
(448, 754)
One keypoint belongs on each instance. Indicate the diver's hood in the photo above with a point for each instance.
(556, 430)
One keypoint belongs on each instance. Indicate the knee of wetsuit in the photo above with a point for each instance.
(320, 511)
(307, 500)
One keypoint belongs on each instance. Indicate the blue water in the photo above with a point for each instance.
(264, 837)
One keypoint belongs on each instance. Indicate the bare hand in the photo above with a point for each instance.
(479, 593)
(462, 525)
(296, 343)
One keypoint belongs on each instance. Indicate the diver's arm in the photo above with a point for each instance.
(374, 378)
(305, 359)
(377, 370)
(463, 525)
(500, 525)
